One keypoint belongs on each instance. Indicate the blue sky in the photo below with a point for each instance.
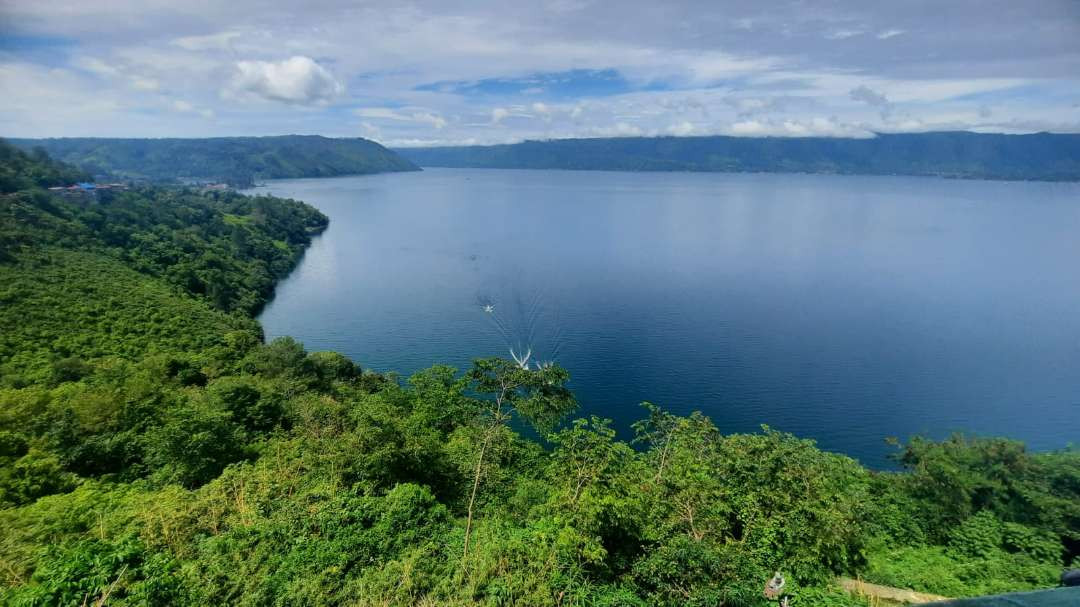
(569, 85)
(450, 72)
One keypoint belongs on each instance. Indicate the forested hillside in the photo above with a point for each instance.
(19, 171)
(1041, 156)
(154, 451)
(237, 160)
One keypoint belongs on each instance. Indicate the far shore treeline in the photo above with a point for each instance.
(155, 451)
(242, 161)
(1039, 156)
(238, 161)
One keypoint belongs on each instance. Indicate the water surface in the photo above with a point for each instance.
(840, 308)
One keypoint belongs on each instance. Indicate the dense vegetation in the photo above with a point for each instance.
(1042, 156)
(236, 160)
(225, 249)
(154, 451)
(19, 171)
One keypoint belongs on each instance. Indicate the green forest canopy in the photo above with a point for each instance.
(152, 447)
(19, 171)
(237, 160)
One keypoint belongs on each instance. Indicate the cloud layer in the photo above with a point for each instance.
(297, 79)
(486, 72)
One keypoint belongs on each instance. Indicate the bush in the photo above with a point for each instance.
(195, 444)
(31, 476)
(249, 407)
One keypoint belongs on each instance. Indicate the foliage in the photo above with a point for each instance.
(975, 516)
(942, 571)
(958, 478)
(62, 309)
(22, 171)
(141, 272)
(33, 475)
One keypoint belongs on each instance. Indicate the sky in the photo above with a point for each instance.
(477, 72)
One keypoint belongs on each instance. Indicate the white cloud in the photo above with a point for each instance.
(71, 103)
(869, 96)
(946, 89)
(433, 119)
(218, 41)
(125, 61)
(370, 130)
(423, 143)
(118, 71)
(872, 98)
(843, 34)
(183, 106)
(144, 84)
(682, 129)
(403, 115)
(749, 127)
(833, 84)
(379, 112)
(296, 80)
(619, 129)
(96, 66)
(567, 6)
(542, 110)
(709, 67)
(814, 127)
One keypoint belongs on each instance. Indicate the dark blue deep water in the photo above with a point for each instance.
(843, 309)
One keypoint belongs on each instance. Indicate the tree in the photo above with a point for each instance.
(241, 397)
(31, 476)
(195, 444)
(539, 396)
(682, 451)
(587, 453)
(658, 432)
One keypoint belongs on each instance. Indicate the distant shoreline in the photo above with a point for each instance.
(718, 172)
(951, 155)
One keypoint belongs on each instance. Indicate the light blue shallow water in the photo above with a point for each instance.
(844, 309)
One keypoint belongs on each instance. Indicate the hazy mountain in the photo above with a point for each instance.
(238, 160)
(1041, 156)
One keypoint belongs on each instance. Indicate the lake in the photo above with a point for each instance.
(840, 308)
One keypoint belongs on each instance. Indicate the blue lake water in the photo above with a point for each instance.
(844, 309)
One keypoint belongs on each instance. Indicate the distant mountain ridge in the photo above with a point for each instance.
(237, 160)
(1040, 156)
